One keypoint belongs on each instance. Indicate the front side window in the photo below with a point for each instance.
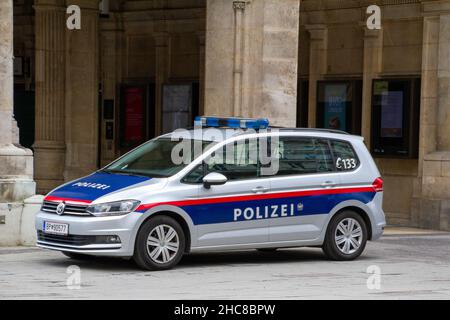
(195, 176)
(303, 156)
(237, 160)
(153, 159)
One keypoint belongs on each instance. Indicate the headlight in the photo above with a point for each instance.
(113, 208)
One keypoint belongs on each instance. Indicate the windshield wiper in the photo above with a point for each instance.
(126, 173)
(132, 173)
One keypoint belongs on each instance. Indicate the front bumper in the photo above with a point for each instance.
(83, 230)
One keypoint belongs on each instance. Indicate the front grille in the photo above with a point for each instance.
(71, 239)
(77, 240)
(70, 209)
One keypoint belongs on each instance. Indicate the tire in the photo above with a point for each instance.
(164, 254)
(342, 245)
(76, 256)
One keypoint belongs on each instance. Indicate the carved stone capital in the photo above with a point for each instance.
(239, 5)
(317, 32)
(161, 39)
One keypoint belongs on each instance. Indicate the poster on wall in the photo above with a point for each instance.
(335, 109)
(134, 125)
(392, 114)
(177, 107)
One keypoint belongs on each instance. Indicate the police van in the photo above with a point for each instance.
(225, 184)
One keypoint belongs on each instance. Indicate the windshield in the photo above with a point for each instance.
(154, 158)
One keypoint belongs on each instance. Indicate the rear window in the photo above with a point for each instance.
(345, 156)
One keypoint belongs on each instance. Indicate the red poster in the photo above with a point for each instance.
(134, 115)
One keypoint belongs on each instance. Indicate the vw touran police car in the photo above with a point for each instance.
(225, 184)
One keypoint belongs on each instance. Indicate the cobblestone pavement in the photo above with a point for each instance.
(412, 267)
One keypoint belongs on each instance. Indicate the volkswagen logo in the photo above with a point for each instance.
(60, 208)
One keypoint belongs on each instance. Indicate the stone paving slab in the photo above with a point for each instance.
(412, 267)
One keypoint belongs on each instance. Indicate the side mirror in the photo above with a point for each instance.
(213, 179)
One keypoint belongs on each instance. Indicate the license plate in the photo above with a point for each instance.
(56, 228)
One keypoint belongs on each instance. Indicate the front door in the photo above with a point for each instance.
(232, 213)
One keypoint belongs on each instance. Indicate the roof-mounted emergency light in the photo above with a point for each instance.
(229, 122)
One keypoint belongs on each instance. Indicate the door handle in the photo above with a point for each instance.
(260, 189)
(328, 184)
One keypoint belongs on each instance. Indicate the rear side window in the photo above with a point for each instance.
(303, 156)
(345, 156)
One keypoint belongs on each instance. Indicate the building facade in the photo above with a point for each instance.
(138, 68)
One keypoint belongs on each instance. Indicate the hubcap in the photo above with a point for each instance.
(348, 236)
(162, 243)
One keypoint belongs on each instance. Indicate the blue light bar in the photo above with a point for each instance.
(244, 123)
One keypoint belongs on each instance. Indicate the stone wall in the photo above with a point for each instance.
(138, 42)
(412, 42)
(17, 222)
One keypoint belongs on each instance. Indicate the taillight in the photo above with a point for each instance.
(378, 185)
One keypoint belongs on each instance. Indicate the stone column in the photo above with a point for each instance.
(443, 76)
(239, 8)
(111, 44)
(201, 72)
(82, 89)
(161, 75)
(429, 92)
(219, 53)
(49, 146)
(252, 58)
(432, 201)
(16, 163)
(280, 62)
(6, 72)
(317, 66)
(373, 49)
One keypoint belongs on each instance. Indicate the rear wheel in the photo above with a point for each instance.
(346, 236)
(160, 244)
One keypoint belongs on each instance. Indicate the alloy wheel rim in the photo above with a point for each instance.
(348, 236)
(162, 244)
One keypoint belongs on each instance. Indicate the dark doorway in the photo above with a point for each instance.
(137, 115)
(302, 103)
(24, 109)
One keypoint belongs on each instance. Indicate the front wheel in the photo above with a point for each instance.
(160, 244)
(346, 236)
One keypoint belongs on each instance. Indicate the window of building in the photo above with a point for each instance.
(180, 105)
(339, 105)
(395, 117)
(303, 156)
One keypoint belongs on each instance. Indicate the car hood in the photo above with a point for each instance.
(97, 185)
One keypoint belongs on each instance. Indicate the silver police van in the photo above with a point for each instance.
(225, 184)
